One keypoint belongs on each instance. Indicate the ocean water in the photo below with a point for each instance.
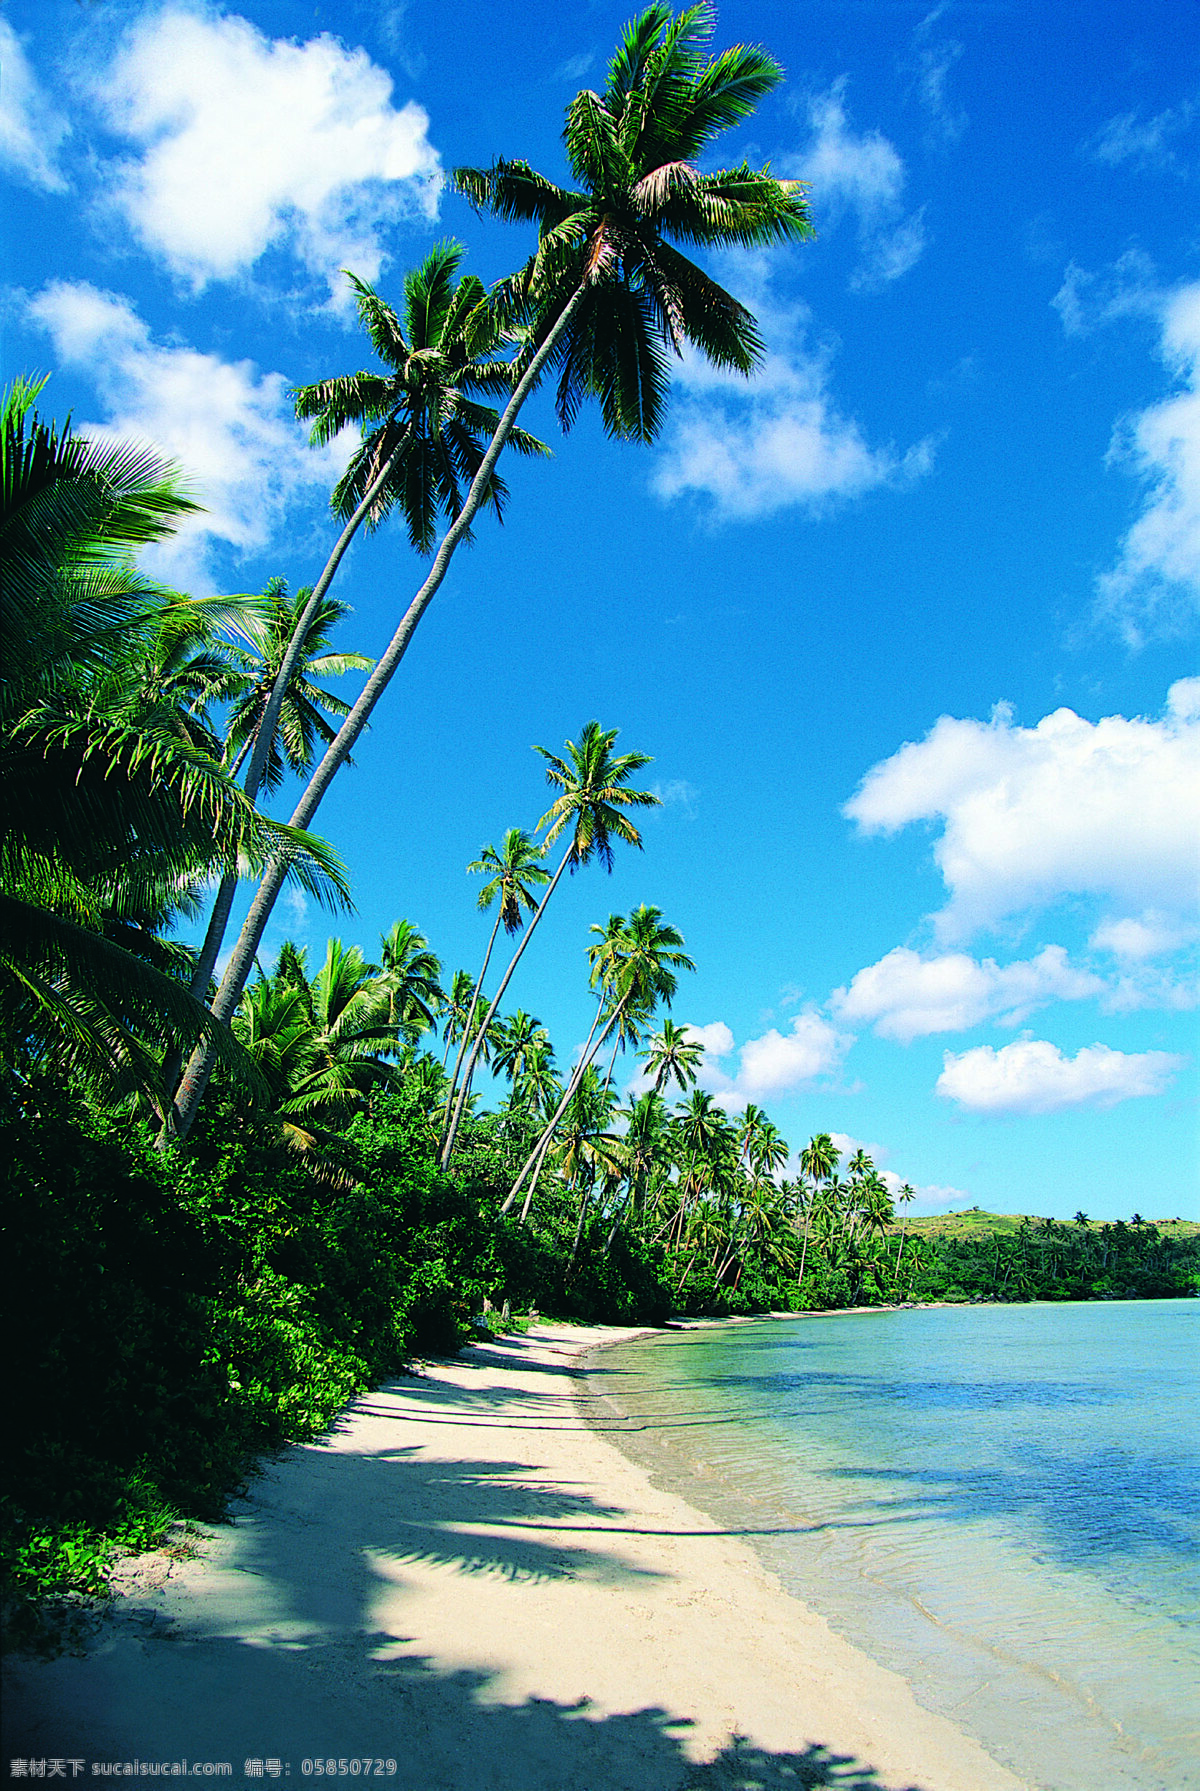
(1000, 1502)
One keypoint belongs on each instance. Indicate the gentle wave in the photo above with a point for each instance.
(1002, 1503)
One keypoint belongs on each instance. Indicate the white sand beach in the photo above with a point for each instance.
(466, 1579)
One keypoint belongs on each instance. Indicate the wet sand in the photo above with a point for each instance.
(468, 1584)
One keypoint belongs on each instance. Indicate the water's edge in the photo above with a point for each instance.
(973, 1679)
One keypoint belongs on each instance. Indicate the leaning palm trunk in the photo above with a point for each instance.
(269, 721)
(533, 1163)
(195, 1078)
(477, 1042)
(465, 1041)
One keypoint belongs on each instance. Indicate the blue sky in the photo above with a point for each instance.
(909, 623)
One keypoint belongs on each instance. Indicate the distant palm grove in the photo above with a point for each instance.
(239, 1191)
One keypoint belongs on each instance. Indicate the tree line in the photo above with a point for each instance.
(237, 1192)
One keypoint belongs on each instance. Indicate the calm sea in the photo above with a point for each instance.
(1000, 1502)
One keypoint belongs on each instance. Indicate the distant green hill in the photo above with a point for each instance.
(974, 1222)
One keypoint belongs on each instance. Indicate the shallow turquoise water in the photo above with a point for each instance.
(1001, 1502)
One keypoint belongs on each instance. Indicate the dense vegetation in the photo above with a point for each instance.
(228, 1209)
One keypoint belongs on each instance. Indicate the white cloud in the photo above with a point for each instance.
(905, 996)
(31, 130)
(1145, 143)
(775, 1064)
(1067, 808)
(247, 143)
(678, 793)
(1159, 562)
(778, 1062)
(931, 64)
(778, 440)
(716, 1037)
(1150, 935)
(1130, 287)
(770, 1066)
(229, 427)
(1033, 1077)
(863, 174)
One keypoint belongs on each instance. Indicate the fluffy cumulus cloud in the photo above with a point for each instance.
(906, 996)
(243, 143)
(32, 131)
(1159, 562)
(1033, 1077)
(228, 425)
(778, 441)
(861, 173)
(1070, 808)
(768, 1067)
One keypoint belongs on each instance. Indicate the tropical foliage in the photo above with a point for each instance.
(386, 1151)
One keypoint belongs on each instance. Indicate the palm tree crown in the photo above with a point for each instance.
(594, 795)
(301, 726)
(419, 417)
(604, 247)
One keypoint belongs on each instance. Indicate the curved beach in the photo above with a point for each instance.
(466, 1580)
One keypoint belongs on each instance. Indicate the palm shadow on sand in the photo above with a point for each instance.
(285, 1656)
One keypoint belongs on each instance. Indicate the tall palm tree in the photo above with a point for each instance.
(411, 980)
(905, 1195)
(605, 296)
(518, 1038)
(512, 875)
(643, 1151)
(606, 288)
(168, 675)
(704, 1137)
(104, 817)
(634, 962)
(270, 630)
(426, 435)
(261, 643)
(594, 784)
(672, 1055)
(353, 1037)
(818, 1161)
(459, 1002)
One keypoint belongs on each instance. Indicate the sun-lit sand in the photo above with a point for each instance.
(468, 1581)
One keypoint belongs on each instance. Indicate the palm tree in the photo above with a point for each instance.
(643, 1151)
(455, 1008)
(818, 1161)
(512, 875)
(352, 1039)
(167, 674)
(587, 1147)
(300, 724)
(627, 1032)
(593, 781)
(411, 976)
(270, 629)
(634, 963)
(905, 1195)
(605, 295)
(673, 1056)
(518, 1039)
(605, 289)
(106, 820)
(705, 1134)
(429, 435)
(536, 1088)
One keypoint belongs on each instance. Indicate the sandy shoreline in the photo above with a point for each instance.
(468, 1580)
